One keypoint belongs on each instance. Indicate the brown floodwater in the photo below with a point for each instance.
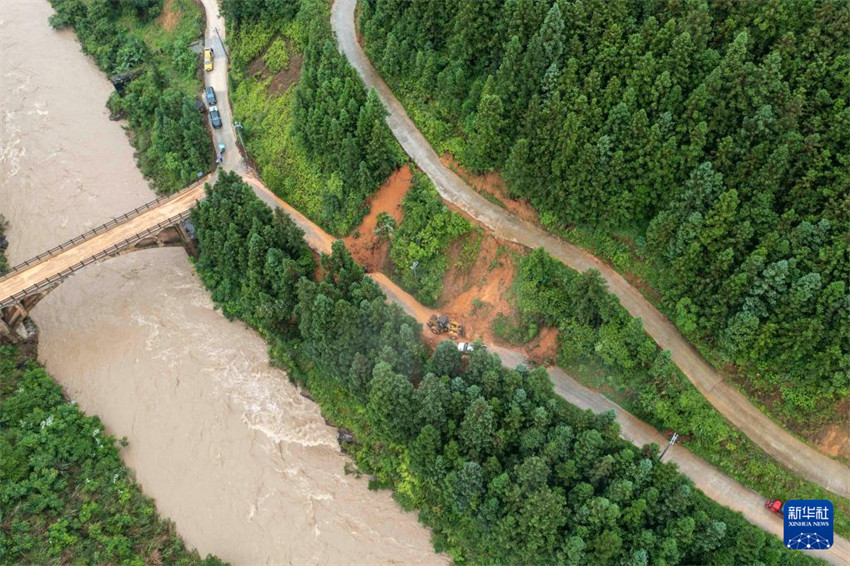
(228, 447)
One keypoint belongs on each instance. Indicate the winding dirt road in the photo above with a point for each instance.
(712, 482)
(772, 438)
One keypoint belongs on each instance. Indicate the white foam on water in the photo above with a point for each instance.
(230, 450)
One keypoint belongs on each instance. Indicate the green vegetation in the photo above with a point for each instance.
(252, 258)
(715, 132)
(385, 226)
(601, 344)
(127, 38)
(519, 331)
(65, 496)
(503, 470)
(4, 243)
(418, 247)
(322, 144)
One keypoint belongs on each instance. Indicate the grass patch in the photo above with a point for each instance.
(469, 250)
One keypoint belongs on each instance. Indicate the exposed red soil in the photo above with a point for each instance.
(487, 280)
(475, 290)
(492, 184)
(362, 244)
(170, 16)
(475, 294)
(543, 350)
(835, 441)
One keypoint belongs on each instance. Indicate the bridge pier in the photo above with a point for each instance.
(14, 310)
(12, 317)
(7, 334)
(26, 284)
(174, 235)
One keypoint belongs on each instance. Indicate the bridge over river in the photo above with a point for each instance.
(155, 224)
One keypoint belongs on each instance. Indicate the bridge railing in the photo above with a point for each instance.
(56, 278)
(98, 230)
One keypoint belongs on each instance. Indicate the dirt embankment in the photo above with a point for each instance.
(493, 188)
(280, 81)
(477, 285)
(170, 16)
(367, 250)
(835, 439)
(476, 294)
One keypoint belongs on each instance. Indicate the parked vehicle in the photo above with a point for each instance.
(776, 506)
(199, 106)
(215, 117)
(467, 347)
(210, 94)
(208, 59)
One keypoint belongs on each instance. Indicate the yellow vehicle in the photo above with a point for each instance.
(208, 59)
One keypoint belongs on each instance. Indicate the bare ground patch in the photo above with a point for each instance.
(170, 16)
(362, 242)
(474, 294)
(287, 77)
(283, 79)
(835, 441)
(492, 186)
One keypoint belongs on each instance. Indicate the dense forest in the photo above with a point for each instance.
(65, 496)
(127, 39)
(320, 143)
(715, 136)
(503, 470)
(605, 347)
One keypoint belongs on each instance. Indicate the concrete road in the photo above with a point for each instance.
(716, 485)
(214, 36)
(712, 482)
(772, 438)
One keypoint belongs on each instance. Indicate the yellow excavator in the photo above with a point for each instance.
(442, 324)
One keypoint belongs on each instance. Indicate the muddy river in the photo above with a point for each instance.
(230, 450)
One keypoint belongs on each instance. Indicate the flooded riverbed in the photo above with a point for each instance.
(229, 449)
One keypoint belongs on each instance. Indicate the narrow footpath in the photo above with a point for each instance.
(771, 437)
(708, 479)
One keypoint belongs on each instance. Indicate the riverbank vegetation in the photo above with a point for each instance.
(147, 42)
(711, 137)
(418, 247)
(65, 496)
(601, 344)
(502, 469)
(318, 138)
(4, 243)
